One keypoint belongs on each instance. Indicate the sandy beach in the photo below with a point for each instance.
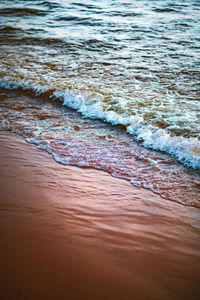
(77, 233)
(99, 150)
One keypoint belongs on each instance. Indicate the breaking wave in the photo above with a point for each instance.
(185, 150)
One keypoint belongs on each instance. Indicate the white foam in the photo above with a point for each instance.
(185, 150)
(11, 84)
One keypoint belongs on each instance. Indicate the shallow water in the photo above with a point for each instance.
(74, 140)
(129, 63)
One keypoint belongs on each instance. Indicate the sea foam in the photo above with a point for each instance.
(185, 150)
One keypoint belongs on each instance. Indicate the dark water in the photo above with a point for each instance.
(133, 64)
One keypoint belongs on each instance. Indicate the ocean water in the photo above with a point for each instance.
(107, 84)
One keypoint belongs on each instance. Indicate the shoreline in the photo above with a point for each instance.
(73, 140)
(81, 233)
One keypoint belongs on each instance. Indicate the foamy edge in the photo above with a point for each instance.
(185, 150)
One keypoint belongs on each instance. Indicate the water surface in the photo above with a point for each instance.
(133, 64)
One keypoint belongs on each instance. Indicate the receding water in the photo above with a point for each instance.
(134, 64)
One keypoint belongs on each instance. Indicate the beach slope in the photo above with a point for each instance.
(77, 233)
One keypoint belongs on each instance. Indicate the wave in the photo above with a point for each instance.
(22, 12)
(185, 150)
(166, 10)
(50, 5)
(9, 30)
(88, 21)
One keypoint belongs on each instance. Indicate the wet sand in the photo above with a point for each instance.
(73, 233)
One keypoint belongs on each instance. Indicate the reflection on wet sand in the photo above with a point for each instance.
(72, 233)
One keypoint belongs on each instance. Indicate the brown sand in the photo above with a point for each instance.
(72, 233)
